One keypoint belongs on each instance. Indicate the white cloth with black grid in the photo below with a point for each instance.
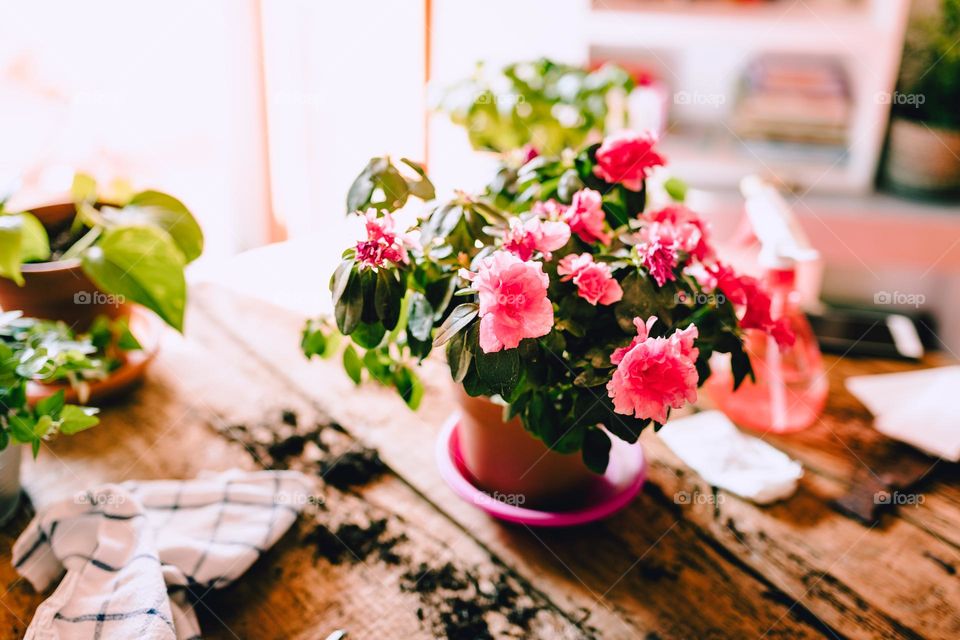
(137, 555)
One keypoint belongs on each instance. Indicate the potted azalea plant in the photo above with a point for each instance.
(570, 310)
(39, 351)
(91, 257)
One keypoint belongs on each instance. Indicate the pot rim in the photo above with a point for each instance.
(50, 266)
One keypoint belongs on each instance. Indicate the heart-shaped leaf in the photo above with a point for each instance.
(171, 215)
(143, 264)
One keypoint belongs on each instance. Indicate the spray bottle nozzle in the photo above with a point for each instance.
(782, 240)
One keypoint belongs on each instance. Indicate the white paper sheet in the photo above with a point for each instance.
(916, 407)
(713, 446)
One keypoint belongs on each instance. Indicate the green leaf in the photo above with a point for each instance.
(368, 335)
(419, 349)
(596, 450)
(368, 290)
(144, 265)
(420, 320)
(394, 187)
(11, 247)
(422, 188)
(388, 296)
(51, 405)
(358, 197)
(378, 365)
(409, 387)
(338, 283)
(741, 366)
(352, 364)
(22, 239)
(125, 338)
(74, 419)
(639, 300)
(349, 309)
(84, 188)
(380, 178)
(317, 339)
(168, 213)
(500, 370)
(42, 426)
(626, 428)
(85, 242)
(35, 246)
(457, 320)
(458, 356)
(21, 428)
(676, 189)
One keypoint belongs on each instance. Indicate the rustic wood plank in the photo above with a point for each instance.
(643, 566)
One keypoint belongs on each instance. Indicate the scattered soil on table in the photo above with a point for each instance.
(286, 444)
(353, 468)
(289, 416)
(428, 579)
(456, 602)
(290, 446)
(355, 543)
(460, 601)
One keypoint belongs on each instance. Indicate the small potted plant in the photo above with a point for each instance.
(39, 351)
(570, 312)
(92, 257)
(923, 154)
(542, 104)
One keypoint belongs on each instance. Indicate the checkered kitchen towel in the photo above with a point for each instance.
(132, 551)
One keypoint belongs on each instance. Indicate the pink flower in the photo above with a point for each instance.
(654, 374)
(658, 248)
(748, 296)
(513, 301)
(627, 157)
(757, 313)
(525, 238)
(585, 217)
(594, 281)
(383, 244)
(691, 231)
(549, 210)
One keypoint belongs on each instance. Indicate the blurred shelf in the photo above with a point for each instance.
(825, 27)
(714, 157)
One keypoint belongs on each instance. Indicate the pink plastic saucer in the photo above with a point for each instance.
(611, 492)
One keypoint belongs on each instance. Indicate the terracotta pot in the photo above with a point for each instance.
(923, 160)
(59, 290)
(503, 458)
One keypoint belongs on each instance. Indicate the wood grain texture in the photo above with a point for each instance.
(679, 562)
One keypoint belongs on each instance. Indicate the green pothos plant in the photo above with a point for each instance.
(558, 291)
(134, 244)
(42, 351)
(544, 104)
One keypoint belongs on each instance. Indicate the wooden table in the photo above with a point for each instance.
(665, 567)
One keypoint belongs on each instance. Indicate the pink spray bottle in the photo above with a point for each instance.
(791, 386)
